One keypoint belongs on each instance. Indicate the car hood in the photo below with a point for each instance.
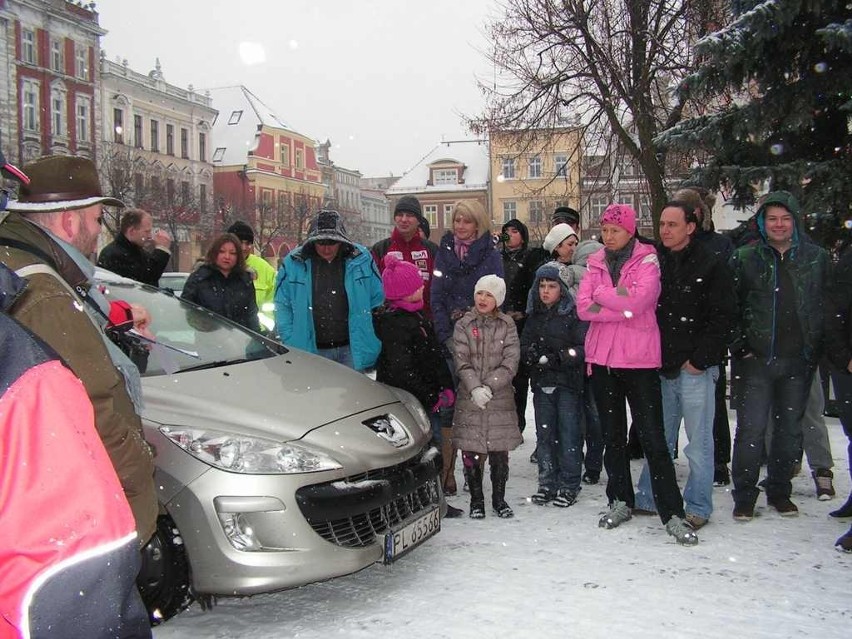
(283, 397)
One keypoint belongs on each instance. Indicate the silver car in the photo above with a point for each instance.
(275, 468)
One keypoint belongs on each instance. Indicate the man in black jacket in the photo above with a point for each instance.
(695, 312)
(127, 254)
(514, 238)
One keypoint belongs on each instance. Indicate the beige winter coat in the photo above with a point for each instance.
(486, 352)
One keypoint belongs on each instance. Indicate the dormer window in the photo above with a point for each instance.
(445, 176)
(235, 117)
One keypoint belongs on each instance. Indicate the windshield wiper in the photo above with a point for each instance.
(215, 364)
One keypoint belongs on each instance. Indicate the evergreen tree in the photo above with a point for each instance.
(776, 84)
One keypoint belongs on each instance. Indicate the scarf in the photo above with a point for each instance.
(411, 307)
(462, 247)
(615, 260)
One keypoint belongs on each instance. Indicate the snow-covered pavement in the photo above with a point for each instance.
(551, 572)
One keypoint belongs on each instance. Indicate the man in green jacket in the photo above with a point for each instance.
(779, 283)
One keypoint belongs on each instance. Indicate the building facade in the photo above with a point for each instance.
(155, 152)
(534, 172)
(264, 172)
(48, 99)
(450, 172)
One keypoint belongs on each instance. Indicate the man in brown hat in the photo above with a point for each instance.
(45, 235)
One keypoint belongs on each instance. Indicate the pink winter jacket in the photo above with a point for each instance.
(623, 330)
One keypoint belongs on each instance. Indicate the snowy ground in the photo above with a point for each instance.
(553, 573)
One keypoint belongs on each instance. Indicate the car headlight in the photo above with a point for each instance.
(250, 455)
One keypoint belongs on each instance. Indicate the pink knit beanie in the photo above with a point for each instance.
(621, 215)
(400, 278)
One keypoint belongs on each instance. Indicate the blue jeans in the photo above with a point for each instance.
(691, 398)
(435, 423)
(780, 386)
(339, 354)
(559, 438)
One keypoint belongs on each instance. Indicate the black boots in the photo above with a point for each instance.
(473, 475)
(499, 476)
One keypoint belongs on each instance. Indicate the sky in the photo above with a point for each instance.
(384, 80)
(552, 573)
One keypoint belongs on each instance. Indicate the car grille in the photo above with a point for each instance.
(399, 492)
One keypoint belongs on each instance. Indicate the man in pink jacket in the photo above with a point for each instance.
(618, 297)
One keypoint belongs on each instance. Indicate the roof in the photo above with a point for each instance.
(241, 113)
(473, 154)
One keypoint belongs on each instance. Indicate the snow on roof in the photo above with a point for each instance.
(473, 154)
(235, 132)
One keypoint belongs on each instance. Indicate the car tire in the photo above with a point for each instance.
(164, 579)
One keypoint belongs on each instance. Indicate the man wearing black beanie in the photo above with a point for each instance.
(406, 244)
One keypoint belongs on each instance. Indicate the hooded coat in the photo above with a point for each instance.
(553, 341)
(454, 280)
(486, 351)
(757, 285)
(512, 262)
(623, 330)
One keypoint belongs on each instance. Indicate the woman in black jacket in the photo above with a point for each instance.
(223, 285)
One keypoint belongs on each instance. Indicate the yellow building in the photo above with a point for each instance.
(532, 173)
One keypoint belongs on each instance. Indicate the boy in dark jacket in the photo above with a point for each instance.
(411, 357)
(552, 346)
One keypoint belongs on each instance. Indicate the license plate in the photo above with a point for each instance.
(400, 541)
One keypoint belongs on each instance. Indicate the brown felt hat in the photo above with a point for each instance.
(60, 183)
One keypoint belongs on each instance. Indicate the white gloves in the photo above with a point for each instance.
(481, 395)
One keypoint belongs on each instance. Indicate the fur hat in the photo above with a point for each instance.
(408, 204)
(557, 235)
(242, 231)
(565, 214)
(621, 215)
(400, 278)
(60, 183)
(701, 200)
(494, 285)
(327, 225)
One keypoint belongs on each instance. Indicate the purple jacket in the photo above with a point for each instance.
(623, 330)
(453, 281)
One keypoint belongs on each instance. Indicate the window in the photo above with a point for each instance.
(58, 111)
(202, 197)
(30, 105)
(202, 147)
(430, 212)
(285, 154)
(510, 210)
(28, 49)
(300, 159)
(137, 131)
(170, 139)
(597, 205)
(118, 125)
(184, 193)
(445, 176)
(219, 154)
(235, 117)
(508, 171)
(184, 143)
(536, 211)
(138, 186)
(57, 56)
(448, 216)
(560, 164)
(81, 57)
(84, 109)
(627, 167)
(155, 136)
(535, 167)
(170, 191)
(155, 185)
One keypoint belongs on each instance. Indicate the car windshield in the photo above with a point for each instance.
(193, 329)
(173, 281)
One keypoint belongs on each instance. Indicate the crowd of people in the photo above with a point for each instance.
(470, 326)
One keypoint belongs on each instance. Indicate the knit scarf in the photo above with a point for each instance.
(615, 260)
(411, 307)
(462, 247)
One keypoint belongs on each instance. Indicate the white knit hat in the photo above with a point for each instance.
(494, 285)
(557, 235)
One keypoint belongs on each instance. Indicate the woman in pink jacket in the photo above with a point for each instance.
(618, 297)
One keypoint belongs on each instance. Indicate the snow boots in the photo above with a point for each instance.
(499, 476)
(473, 474)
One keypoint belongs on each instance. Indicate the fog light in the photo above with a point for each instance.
(239, 532)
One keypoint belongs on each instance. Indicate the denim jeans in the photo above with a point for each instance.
(779, 388)
(691, 398)
(435, 422)
(339, 354)
(593, 460)
(641, 388)
(559, 437)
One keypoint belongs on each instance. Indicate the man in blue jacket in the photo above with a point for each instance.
(325, 294)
